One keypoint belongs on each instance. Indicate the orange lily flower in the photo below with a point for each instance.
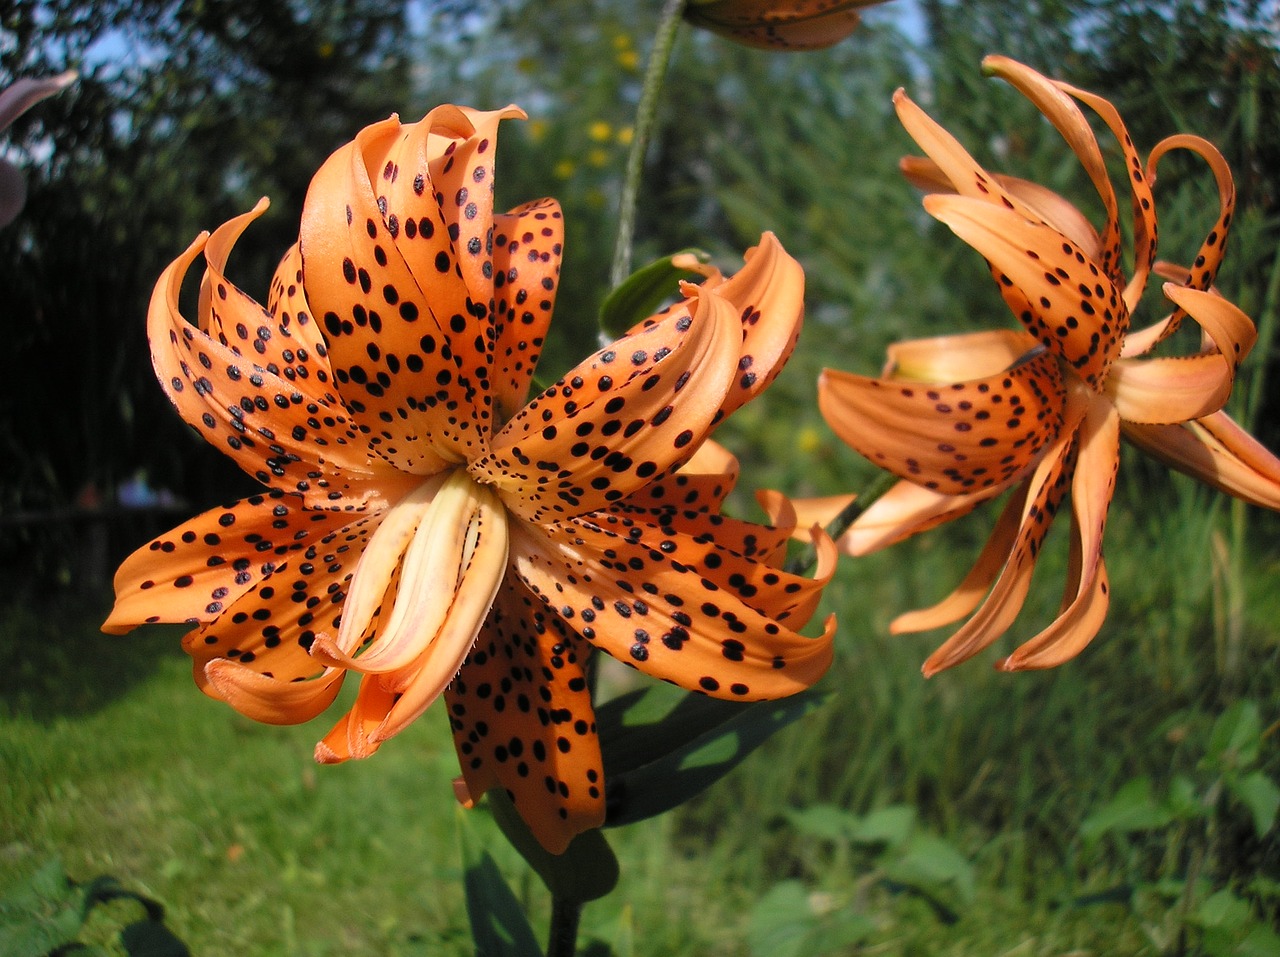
(15, 100)
(779, 24)
(1041, 410)
(426, 527)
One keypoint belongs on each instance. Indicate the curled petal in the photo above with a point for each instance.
(908, 509)
(269, 699)
(1074, 309)
(1177, 389)
(1046, 487)
(954, 439)
(527, 662)
(1216, 451)
(1088, 595)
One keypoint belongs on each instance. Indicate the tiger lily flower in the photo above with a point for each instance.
(779, 24)
(15, 100)
(1041, 410)
(426, 527)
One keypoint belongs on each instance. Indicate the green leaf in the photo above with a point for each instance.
(789, 922)
(888, 825)
(928, 863)
(1236, 739)
(823, 821)
(1134, 808)
(498, 925)
(684, 764)
(1261, 796)
(587, 870)
(42, 914)
(640, 294)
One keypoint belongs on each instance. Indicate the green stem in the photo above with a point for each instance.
(803, 563)
(562, 940)
(646, 113)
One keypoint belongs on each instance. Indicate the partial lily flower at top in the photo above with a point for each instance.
(779, 24)
(15, 100)
(1039, 411)
(428, 528)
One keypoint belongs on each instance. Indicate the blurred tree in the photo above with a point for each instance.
(186, 112)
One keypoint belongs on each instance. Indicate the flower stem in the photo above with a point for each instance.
(646, 113)
(562, 940)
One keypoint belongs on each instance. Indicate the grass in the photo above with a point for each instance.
(116, 764)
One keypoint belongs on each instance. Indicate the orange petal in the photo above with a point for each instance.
(195, 572)
(1092, 487)
(1074, 309)
(908, 509)
(1216, 451)
(527, 245)
(701, 484)
(795, 25)
(268, 699)
(956, 358)
(648, 601)
(522, 720)
(953, 439)
(978, 581)
(1046, 487)
(631, 412)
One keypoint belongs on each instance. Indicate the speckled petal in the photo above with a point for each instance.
(629, 413)
(1216, 451)
(1088, 595)
(954, 439)
(197, 571)
(796, 25)
(638, 598)
(1046, 489)
(522, 720)
(279, 431)
(527, 246)
(701, 484)
(1074, 309)
(908, 509)
(957, 358)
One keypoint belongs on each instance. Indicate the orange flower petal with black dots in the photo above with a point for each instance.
(429, 528)
(1039, 411)
(779, 24)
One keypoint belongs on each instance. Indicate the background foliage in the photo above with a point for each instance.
(1106, 807)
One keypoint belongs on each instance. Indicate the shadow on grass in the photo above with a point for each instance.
(54, 660)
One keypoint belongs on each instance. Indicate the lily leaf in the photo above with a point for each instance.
(1236, 740)
(586, 871)
(1134, 808)
(641, 293)
(1261, 796)
(498, 924)
(653, 766)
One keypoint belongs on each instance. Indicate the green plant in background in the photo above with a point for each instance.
(44, 918)
(1203, 828)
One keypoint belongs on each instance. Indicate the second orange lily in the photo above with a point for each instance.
(1041, 410)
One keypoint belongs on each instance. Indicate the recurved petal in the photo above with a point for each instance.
(275, 429)
(1045, 490)
(1088, 595)
(767, 294)
(522, 719)
(1216, 451)
(269, 699)
(953, 439)
(641, 600)
(1155, 390)
(978, 581)
(527, 246)
(197, 571)
(700, 484)
(1074, 309)
(635, 410)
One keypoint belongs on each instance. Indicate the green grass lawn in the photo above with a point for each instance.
(113, 762)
